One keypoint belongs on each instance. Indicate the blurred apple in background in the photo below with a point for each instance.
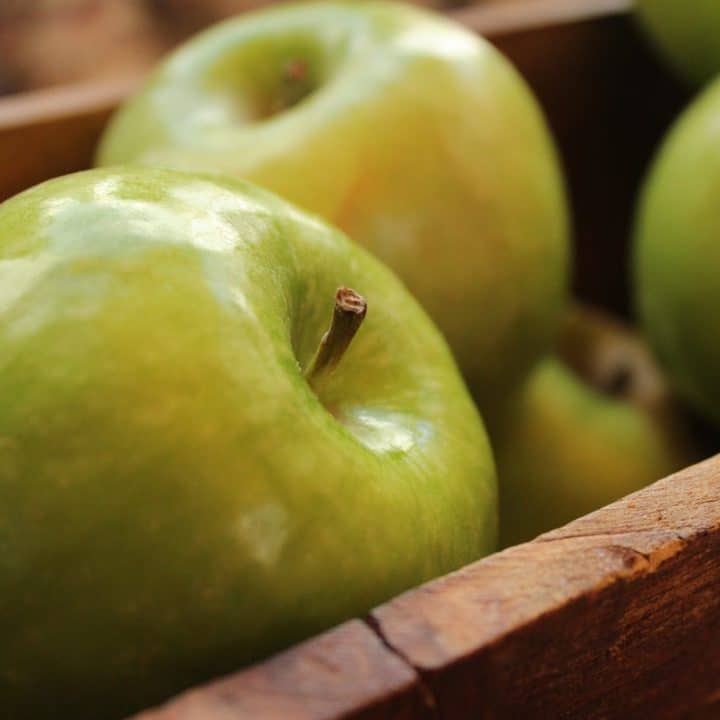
(594, 422)
(687, 32)
(186, 485)
(677, 254)
(412, 134)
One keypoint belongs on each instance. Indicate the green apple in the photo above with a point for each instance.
(592, 424)
(687, 32)
(405, 130)
(677, 254)
(185, 485)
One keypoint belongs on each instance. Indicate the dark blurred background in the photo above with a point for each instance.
(53, 42)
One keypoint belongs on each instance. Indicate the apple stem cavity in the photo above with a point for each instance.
(619, 383)
(295, 71)
(295, 85)
(348, 314)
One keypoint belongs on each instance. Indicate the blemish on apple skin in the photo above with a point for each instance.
(264, 531)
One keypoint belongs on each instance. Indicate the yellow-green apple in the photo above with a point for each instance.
(407, 131)
(592, 423)
(687, 33)
(677, 254)
(186, 484)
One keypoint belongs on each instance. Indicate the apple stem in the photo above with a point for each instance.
(348, 315)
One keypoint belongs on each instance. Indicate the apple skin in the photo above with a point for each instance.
(686, 33)
(566, 447)
(175, 500)
(415, 136)
(676, 254)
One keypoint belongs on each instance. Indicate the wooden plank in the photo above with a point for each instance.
(53, 104)
(52, 132)
(345, 673)
(708, 709)
(532, 15)
(616, 615)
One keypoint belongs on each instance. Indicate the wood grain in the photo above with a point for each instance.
(345, 673)
(616, 615)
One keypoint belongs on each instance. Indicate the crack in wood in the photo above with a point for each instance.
(426, 694)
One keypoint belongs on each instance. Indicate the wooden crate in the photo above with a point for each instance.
(616, 615)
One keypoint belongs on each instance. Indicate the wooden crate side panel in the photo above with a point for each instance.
(344, 673)
(53, 132)
(616, 615)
